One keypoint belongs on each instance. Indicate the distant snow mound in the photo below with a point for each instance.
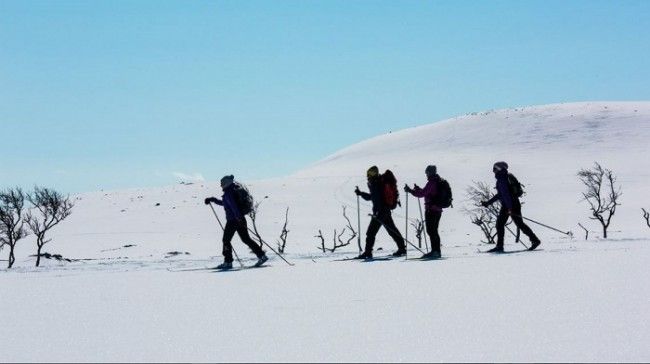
(588, 128)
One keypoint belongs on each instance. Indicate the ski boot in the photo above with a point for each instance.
(365, 255)
(261, 260)
(534, 244)
(432, 255)
(496, 249)
(225, 266)
(399, 253)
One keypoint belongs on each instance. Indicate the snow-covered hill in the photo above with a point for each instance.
(573, 300)
(545, 147)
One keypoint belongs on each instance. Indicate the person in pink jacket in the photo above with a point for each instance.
(433, 212)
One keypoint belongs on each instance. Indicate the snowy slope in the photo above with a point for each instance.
(545, 147)
(573, 300)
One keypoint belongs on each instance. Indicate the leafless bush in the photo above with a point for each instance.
(337, 238)
(602, 194)
(646, 217)
(322, 241)
(483, 217)
(353, 232)
(53, 208)
(282, 242)
(12, 204)
(586, 231)
(419, 226)
(253, 216)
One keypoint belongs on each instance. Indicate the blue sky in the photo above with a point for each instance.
(114, 94)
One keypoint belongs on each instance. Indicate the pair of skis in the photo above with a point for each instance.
(217, 270)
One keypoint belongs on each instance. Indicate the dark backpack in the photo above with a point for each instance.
(243, 198)
(389, 186)
(444, 196)
(516, 188)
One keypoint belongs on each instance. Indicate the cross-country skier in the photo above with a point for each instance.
(235, 222)
(381, 212)
(433, 212)
(510, 206)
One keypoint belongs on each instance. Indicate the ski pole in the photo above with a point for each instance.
(386, 227)
(358, 223)
(426, 244)
(546, 226)
(222, 229)
(406, 220)
(268, 246)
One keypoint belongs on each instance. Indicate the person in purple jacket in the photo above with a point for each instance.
(235, 222)
(510, 207)
(433, 213)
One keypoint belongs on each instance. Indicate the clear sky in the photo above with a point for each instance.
(114, 94)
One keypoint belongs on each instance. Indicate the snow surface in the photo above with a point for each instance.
(574, 300)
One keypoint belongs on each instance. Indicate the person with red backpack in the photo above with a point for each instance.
(236, 202)
(384, 197)
(437, 195)
(509, 191)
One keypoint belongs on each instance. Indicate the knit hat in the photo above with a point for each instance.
(431, 170)
(500, 166)
(227, 181)
(372, 172)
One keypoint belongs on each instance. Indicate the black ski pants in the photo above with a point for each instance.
(432, 222)
(517, 219)
(241, 228)
(385, 219)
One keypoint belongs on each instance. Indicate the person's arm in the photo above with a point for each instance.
(490, 201)
(213, 200)
(364, 195)
(430, 189)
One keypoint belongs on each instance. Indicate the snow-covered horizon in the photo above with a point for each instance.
(574, 300)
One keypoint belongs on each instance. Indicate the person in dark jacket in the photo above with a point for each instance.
(433, 213)
(235, 222)
(510, 207)
(381, 215)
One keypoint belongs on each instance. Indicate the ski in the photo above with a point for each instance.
(420, 259)
(382, 258)
(246, 267)
(508, 251)
(215, 269)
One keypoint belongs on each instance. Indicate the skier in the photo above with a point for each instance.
(235, 222)
(510, 206)
(381, 214)
(433, 212)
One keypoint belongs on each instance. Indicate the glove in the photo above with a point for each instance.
(356, 191)
(407, 189)
(208, 200)
(416, 187)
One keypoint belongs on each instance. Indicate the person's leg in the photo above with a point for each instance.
(519, 221)
(228, 233)
(501, 226)
(433, 222)
(392, 230)
(242, 231)
(371, 233)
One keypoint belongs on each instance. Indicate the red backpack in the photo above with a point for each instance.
(391, 194)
